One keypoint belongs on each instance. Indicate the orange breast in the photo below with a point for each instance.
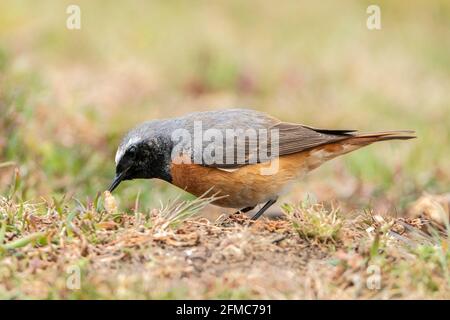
(242, 187)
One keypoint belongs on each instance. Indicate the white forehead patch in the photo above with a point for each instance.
(122, 148)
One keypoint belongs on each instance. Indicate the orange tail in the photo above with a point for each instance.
(354, 142)
(363, 139)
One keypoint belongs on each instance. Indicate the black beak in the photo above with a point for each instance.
(117, 180)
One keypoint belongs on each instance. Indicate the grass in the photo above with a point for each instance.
(67, 97)
(170, 253)
(314, 221)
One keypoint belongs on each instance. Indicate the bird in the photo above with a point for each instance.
(246, 156)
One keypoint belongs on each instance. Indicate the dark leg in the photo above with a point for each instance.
(244, 210)
(264, 208)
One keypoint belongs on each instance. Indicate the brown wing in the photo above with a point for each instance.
(292, 138)
(295, 138)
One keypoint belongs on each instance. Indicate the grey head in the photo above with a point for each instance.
(144, 153)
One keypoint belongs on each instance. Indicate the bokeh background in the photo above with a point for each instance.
(67, 96)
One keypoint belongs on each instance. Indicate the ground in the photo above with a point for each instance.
(312, 252)
(68, 96)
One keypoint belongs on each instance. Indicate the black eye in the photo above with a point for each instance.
(132, 152)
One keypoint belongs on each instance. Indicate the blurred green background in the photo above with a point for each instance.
(67, 96)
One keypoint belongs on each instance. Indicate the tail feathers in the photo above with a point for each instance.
(355, 141)
(368, 138)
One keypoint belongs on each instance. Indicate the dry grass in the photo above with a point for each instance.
(168, 253)
(314, 222)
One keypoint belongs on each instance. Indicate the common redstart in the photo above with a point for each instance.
(245, 156)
